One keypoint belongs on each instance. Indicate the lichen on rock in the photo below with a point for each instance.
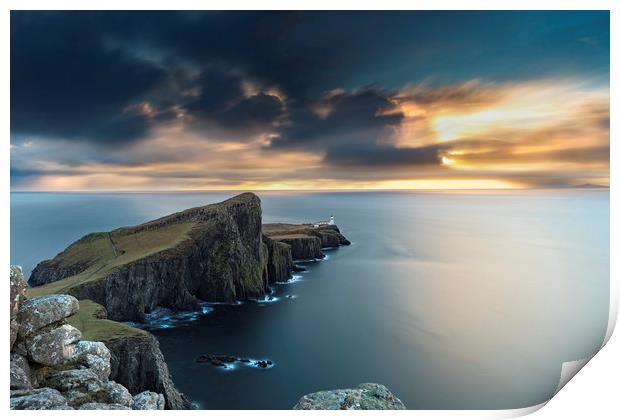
(148, 400)
(367, 396)
(50, 368)
(53, 347)
(38, 399)
(36, 313)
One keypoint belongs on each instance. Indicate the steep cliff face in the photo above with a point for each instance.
(303, 247)
(279, 264)
(212, 253)
(47, 272)
(138, 364)
(306, 241)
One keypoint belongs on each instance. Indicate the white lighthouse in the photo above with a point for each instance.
(332, 221)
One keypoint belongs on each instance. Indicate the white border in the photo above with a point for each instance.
(593, 395)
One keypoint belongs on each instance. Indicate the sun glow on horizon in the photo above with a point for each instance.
(510, 136)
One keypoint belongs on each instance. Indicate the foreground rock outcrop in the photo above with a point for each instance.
(367, 396)
(52, 368)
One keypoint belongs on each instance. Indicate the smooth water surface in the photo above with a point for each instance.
(452, 300)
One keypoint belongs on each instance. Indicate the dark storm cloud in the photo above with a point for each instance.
(79, 75)
(74, 73)
(65, 83)
(223, 103)
(357, 118)
(351, 128)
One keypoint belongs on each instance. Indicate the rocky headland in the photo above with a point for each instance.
(216, 253)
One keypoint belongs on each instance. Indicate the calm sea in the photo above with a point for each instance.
(452, 300)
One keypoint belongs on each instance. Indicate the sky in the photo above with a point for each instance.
(308, 100)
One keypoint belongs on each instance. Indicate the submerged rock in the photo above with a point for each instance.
(225, 360)
(217, 360)
(263, 363)
(367, 396)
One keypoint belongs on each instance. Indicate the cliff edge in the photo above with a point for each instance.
(211, 253)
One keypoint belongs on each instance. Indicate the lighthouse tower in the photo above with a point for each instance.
(332, 220)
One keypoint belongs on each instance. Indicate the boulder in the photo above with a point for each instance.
(75, 381)
(76, 398)
(102, 406)
(36, 313)
(20, 372)
(367, 396)
(117, 394)
(53, 347)
(83, 380)
(18, 295)
(14, 329)
(38, 399)
(148, 400)
(18, 289)
(95, 356)
(81, 386)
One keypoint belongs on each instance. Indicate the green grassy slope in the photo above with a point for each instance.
(88, 321)
(97, 251)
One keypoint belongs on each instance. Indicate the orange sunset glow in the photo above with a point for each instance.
(201, 126)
